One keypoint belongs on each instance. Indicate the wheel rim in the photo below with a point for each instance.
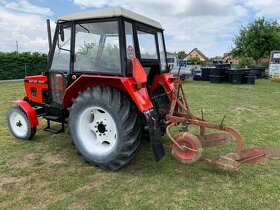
(185, 154)
(18, 124)
(192, 148)
(97, 130)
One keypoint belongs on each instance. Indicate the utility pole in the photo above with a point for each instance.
(17, 45)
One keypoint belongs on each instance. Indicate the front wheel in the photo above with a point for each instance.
(19, 125)
(105, 127)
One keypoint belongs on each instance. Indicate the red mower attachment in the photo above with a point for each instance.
(188, 147)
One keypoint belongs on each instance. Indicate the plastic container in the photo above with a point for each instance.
(250, 79)
(205, 73)
(236, 76)
(216, 79)
(258, 71)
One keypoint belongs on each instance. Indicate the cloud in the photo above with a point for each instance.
(24, 23)
(269, 8)
(206, 24)
(25, 6)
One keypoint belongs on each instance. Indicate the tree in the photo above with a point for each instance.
(257, 39)
(182, 54)
(194, 60)
(245, 61)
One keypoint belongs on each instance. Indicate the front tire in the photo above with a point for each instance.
(19, 125)
(105, 127)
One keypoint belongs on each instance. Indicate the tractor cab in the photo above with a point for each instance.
(99, 48)
(103, 42)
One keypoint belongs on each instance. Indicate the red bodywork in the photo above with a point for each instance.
(134, 86)
(31, 114)
(38, 82)
(166, 80)
(126, 84)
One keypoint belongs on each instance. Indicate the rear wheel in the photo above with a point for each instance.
(18, 124)
(105, 127)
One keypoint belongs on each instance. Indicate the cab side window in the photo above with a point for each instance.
(147, 45)
(61, 57)
(97, 47)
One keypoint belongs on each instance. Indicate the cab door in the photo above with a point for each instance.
(60, 68)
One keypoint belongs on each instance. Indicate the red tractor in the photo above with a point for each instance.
(107, 77)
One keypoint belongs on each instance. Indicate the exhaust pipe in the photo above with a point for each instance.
(49, 34)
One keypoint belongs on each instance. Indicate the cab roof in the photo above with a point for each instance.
(110, 12)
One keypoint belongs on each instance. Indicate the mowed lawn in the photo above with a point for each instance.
(47, 173)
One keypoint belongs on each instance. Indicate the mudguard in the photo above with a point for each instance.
(30, 112)
(155, 134)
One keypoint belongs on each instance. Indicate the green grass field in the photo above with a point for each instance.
(47, 173)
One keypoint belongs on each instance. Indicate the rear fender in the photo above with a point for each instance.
(166, 80)
(126, 84)
(30, 112)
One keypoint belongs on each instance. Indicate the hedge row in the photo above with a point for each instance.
(14, 65)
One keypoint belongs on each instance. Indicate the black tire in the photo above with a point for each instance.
(123, 117)
(17, 120)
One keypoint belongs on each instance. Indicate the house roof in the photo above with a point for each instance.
(199, 52)
(109, 12)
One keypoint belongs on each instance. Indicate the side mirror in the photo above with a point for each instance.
(61, 33)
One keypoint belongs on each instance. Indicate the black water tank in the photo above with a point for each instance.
(205, 73)
(250, 79)
(236, 76)
(258, 71)
(216, 79)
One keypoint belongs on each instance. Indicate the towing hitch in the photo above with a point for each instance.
(188, 147)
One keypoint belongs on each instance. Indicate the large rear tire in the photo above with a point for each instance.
(19, 125)
(105, 127)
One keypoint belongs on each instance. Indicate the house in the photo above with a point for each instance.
(230, 59)
(264, 60)
(196, 53)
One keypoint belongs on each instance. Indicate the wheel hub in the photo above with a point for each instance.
(19, 124)
(101, 128)
(98, 130)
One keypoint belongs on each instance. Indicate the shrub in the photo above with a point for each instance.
(194, 60)
(14, 64)
(245, 61)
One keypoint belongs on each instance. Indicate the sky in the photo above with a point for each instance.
(209, 25)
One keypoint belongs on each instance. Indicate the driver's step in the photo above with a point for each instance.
(49, 128)
(52, 117)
